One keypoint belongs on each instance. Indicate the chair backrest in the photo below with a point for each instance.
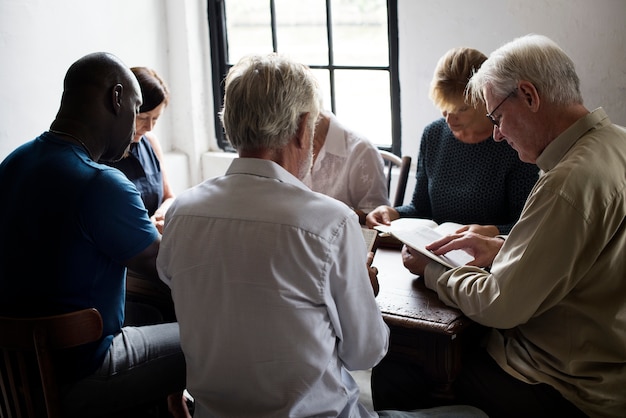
(28, 380)
(404, 164)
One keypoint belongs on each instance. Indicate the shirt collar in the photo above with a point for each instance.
(556, 149)
(263, 168)
(335, 139)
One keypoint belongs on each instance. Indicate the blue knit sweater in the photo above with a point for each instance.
(484, 183)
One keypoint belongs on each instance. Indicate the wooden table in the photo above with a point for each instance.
(424, 331)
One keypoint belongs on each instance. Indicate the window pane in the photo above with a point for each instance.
(360, 33)
(323, 78)
(359, 39)
(301, 30)
(249, 29)
(363, 103)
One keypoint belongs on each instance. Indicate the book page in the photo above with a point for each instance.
(369, 235)
(406, 224)
(417, 233)
(448, 228)
(420, 237)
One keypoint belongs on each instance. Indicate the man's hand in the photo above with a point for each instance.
(486, 230)
(414, 261)
(483, 248)
(382, 215)
(373, 272)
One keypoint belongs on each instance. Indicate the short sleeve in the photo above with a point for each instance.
(114, 216)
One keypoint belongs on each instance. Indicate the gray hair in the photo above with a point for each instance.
(533, 58)
(265, 97)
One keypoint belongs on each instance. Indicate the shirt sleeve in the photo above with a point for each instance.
(115, 218)
(524, 280)
(367, 178)
(363, 336)
(420, 206)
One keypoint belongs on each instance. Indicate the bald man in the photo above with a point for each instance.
(72, 228)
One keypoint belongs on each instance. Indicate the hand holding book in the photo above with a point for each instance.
(482, 248)
(420, 233)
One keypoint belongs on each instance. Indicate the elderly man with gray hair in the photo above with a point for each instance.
(269, 279)
(555, 293)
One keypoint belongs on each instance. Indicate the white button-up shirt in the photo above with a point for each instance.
(272, 296)
(350, 169)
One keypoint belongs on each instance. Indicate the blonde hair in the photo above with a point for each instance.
(452, 73)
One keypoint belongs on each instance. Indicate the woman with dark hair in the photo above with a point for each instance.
(143, 165)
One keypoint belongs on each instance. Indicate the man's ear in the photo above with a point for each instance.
(302, 130)
(529, 94)
(116, 98)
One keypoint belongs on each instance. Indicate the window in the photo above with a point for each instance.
(351, 45)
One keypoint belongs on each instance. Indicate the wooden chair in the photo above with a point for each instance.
(404, 163)
(153, 298)
(28, 379)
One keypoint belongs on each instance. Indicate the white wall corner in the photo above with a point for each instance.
(190, 82)
(216, 163)
(177, 165)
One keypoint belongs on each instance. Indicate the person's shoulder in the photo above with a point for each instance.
(359, 145)
(436, 135)
(22, 151)
(110, 177)
(330, 215)
(437, 124)
(435, 130)
(352, 137)
(332, 208)
(324, 206)
(151, 140)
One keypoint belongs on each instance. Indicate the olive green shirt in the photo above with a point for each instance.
(557, 288)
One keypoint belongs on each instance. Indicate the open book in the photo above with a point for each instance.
(370, 236)
(418, 233)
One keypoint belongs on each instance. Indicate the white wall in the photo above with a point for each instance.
(591, 32)
(39, 39)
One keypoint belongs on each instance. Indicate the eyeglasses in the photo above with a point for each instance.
(490, 115)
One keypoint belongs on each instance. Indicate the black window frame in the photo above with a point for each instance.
(220, 66)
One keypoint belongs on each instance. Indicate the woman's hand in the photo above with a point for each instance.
(158, 219)
(382, 215)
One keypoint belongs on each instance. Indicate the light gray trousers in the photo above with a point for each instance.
(144, 365)
(452, 411)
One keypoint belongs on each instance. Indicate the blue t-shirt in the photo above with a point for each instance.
(67, 225)
(142, 167)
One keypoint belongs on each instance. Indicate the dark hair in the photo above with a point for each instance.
(154, 91)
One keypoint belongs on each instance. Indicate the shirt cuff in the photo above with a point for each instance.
(432, 272)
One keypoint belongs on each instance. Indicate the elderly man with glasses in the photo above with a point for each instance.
(553, 292)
